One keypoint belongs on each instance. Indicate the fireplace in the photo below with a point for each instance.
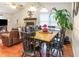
(30, 21)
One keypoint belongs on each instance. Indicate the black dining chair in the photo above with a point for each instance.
(28, 41)
(57, 48)
(40, 27)
(25, 44)
(37, 49)
(51, 28)
(36, 43)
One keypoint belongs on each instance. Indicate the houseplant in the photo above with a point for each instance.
(63, 18)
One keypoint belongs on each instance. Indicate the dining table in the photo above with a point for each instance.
(45, 38)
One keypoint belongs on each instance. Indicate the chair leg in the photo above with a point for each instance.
(59, 53)
(52, 53)
(62, 52)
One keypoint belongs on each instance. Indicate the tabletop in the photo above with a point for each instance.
(45, 36)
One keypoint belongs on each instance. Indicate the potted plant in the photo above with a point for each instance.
(63, 18)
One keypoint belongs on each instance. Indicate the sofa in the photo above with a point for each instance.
(10, 38)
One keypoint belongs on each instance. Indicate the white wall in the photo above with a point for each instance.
(75, 37)
(23, 13)
(8, 17)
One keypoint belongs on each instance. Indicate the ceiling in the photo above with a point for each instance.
(10, 7)
(13, 7)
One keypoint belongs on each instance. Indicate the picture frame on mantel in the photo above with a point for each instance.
(75, 8)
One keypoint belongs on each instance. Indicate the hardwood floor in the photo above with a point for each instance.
(68, 50)
(16, 51)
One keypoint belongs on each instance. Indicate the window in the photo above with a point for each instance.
(45, 19)
(53, 22)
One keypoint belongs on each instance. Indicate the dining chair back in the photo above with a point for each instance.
(57, 47)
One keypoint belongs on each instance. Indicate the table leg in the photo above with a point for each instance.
(43, 49)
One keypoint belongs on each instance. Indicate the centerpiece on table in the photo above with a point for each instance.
(45, 28)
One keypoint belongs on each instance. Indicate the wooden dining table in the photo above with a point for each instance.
(45, 36)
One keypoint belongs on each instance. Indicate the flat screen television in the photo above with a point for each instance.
(3, 22)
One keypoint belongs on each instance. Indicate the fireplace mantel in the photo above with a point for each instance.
(30, 19)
